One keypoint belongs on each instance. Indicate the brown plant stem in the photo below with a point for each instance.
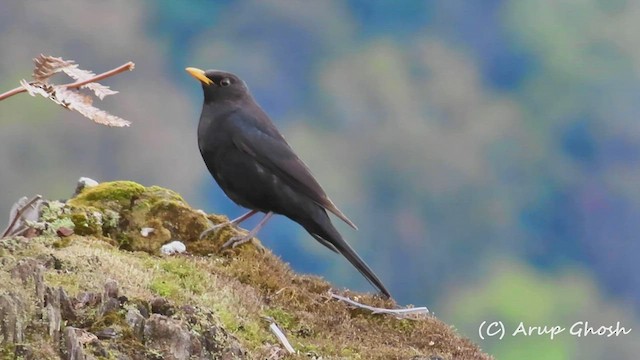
(19, 214)
(122, 68)
(10, 93)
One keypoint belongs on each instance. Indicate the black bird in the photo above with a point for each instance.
(257, 169)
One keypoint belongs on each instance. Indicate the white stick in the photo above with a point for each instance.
(375, 310)
(281, 337)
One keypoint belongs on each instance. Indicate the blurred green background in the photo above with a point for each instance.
(489, 151)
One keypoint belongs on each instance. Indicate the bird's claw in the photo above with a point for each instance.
(213, 229)
(236, 241)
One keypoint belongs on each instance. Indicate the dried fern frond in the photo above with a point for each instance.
(37, 88)
(46, 66)
(100, 90)
(73, 100)
(67, 95)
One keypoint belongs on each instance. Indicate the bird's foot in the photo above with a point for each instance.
(241, 239)
(237, 240)
(235, 222)
(215, 228)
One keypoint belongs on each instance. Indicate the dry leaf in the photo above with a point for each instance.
(78, 102)
(67, 95)
(37, 88)
(81, 75)
(47, 66)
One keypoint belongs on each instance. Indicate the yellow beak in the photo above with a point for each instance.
(199, 74)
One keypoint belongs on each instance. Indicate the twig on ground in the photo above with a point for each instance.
(376, 310)
(279, 334)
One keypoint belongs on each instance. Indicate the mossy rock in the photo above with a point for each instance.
(114, 195)
(118, 211)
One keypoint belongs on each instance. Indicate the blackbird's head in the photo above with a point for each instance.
(219, 85)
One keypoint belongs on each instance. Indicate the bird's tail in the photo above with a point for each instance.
(321, 228)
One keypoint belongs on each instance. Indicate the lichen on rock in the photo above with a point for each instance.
(53, 216)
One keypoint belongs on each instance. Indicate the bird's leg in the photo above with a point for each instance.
(233, 222)
(239, 240)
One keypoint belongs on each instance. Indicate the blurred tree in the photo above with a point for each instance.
(580, 105)
(514, 293)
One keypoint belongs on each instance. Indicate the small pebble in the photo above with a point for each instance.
(88, 182)
(174, 247)
(106, 334)
(64, 231)
(162, 306)
(84, 183)
(146, 231)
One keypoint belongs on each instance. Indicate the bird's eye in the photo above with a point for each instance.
(225, 82)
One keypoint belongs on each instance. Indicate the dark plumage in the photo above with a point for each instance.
(257, 169)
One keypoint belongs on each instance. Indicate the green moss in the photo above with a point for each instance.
(80, 222)
(179, 267)
(177, 217)
(120, 209)
(110, 319)
(253, 333)
(124, 241)
(117, 321)
(109, 193)
(111, 220)
(52, 210)
(228, 319)
(283, 318)
(7, 351)
(69, 281)
(157, 192)
(87, 220)
(53, 216)
(254, 266)
(178, 275)
(165, 286)
(53, 226)
(350, 353)
(62, 243)
(309, 349)
(137, 303)
(404, 324)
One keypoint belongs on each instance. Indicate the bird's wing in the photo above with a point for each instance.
(276, 155)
